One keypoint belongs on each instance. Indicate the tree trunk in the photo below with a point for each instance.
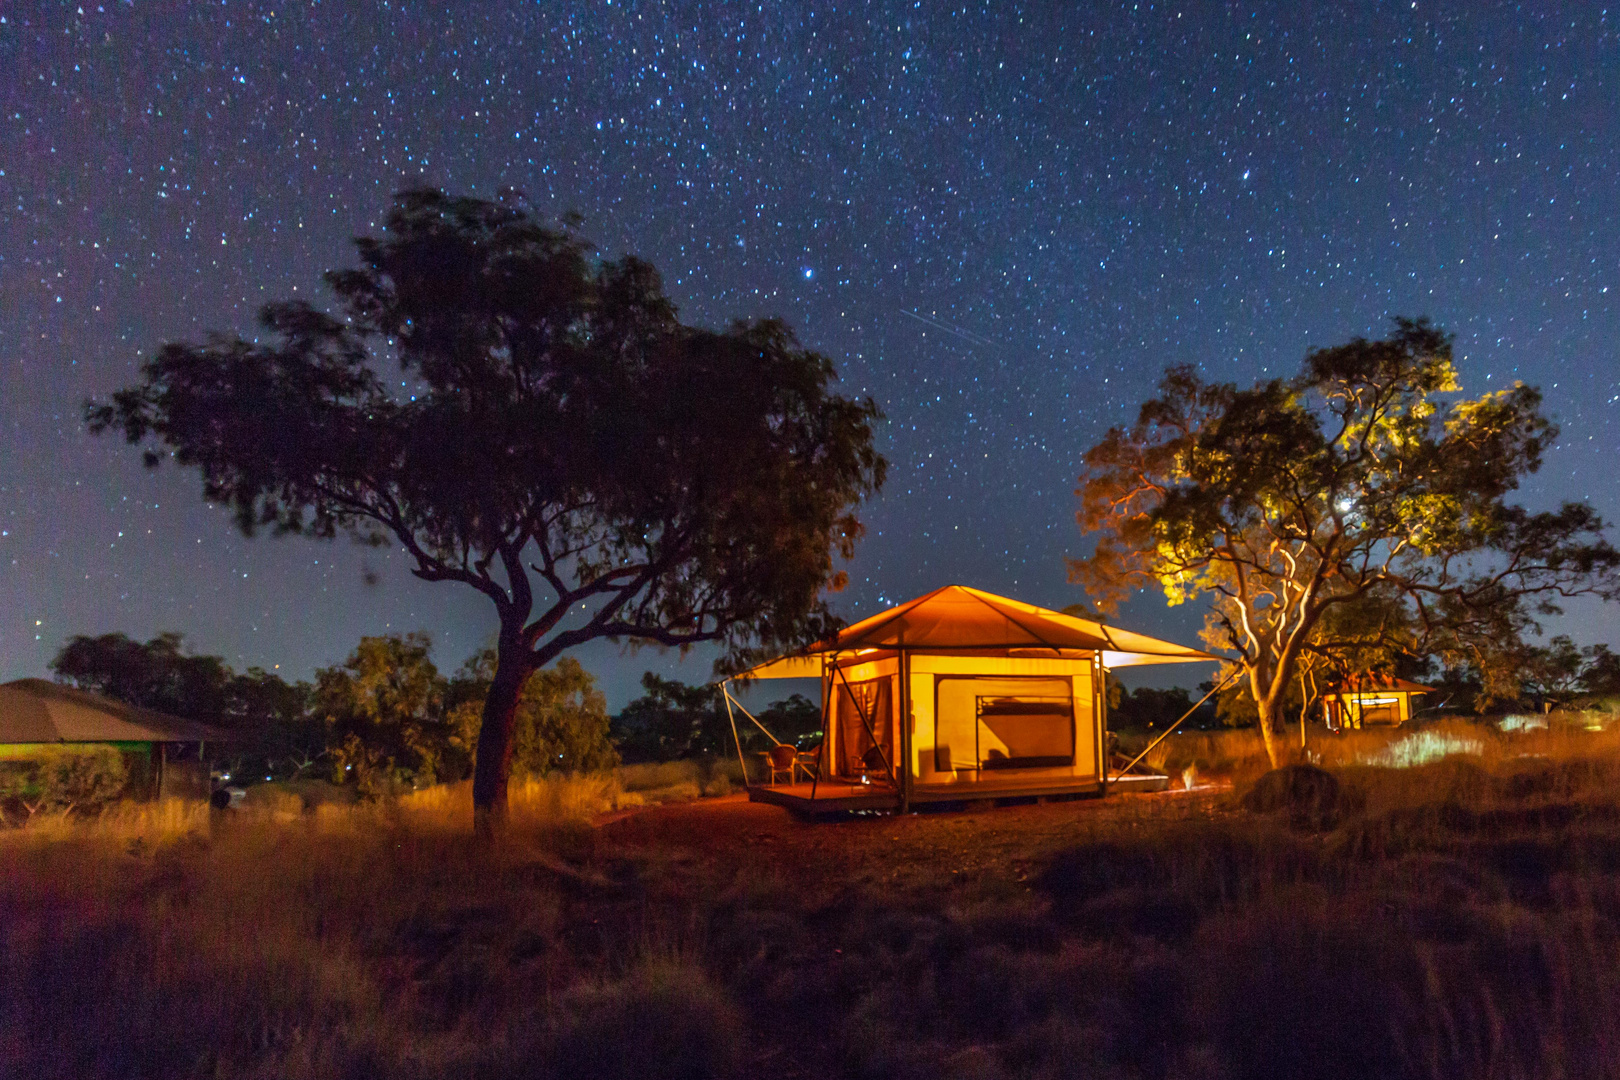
(1268, 704)
(1268, 730)
(493, 765)
(1304, 706)
(1269, 685)
(1265, 704)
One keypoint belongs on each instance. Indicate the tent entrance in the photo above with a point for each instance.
(865, 735)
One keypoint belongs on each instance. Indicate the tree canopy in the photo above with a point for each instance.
(385, 717)
(1562, 672)
(562, 721)
(157, 674)
(536, 424)
(674, 720)
(1361, 482)
(671, 720)
(267, 715)
(1148, 708)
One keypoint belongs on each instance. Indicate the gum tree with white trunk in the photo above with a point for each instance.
(1366, 477)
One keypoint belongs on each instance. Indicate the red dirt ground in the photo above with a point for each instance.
(716, 838)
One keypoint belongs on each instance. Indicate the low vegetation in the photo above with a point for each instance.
(1456, 917)
(60, 780)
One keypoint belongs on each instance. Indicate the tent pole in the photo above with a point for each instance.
(735, 738)
(751, 716)
(903, 721)
(1172, 727)
(826, 729)
(1099, 698)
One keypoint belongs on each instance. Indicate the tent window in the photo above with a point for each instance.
(875, 698)
(1380, 714)
(1025, 732)
(1006, 722)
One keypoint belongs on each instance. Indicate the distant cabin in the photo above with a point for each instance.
(1371, 701)
(163, 754)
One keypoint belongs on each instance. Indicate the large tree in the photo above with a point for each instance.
(158, 674)
(537, 424)
(1360, 481)
(672, 720)
(1562, 672)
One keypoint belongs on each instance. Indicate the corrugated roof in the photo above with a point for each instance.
(38, 711)
(960, 618)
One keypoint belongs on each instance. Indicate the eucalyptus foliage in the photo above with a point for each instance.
(1361, 497)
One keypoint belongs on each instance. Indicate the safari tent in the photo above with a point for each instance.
(959, 694)
(1371, 700)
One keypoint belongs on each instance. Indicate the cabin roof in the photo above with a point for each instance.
(1374, 683)
(39, 711)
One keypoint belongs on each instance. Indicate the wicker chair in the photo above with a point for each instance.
(783, 758)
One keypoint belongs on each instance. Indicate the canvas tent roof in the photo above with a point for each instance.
(959, 618)
(37, 711)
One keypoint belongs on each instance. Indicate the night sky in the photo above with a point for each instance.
(1001, 223)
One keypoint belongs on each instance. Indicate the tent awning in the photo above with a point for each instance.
(957, 618)
(786, 667)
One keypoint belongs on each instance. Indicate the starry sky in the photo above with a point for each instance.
(1000, 221)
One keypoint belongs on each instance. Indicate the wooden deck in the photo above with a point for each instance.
(1139, 782)
(837, 797)
(833, 798)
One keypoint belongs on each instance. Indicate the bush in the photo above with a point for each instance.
(562, 724)
(61, 781)
(1311, 797)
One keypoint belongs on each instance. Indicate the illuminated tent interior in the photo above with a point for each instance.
(998, 698)
(1371, 700)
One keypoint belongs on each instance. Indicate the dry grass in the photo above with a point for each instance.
(541, 804)
(148, 822)
(1238, 753)
(1461, 919)
(170, 940)
(677, 781)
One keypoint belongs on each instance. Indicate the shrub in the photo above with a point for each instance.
(62, 780)
(1311, 797)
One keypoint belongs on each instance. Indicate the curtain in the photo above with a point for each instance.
(874, 698)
